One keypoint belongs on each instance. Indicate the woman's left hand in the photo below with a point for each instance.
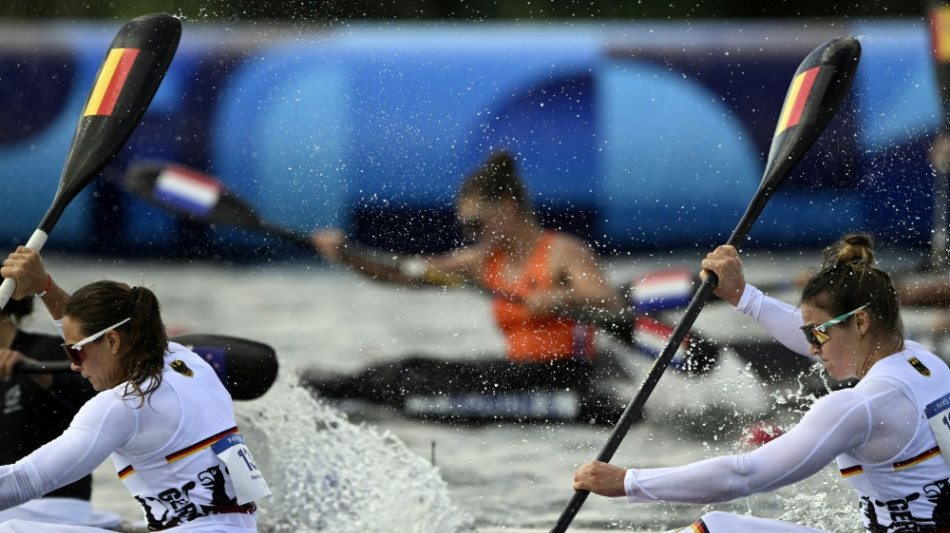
(600, 478)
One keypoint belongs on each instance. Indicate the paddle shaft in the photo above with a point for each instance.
(634, 409)
(42, 367)
(285, 234)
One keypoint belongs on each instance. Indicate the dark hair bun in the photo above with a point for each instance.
(854, 249)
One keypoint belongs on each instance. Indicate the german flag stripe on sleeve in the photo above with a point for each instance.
(111, 80)
(171, 458)
(940, 33)
(126, 472)
(852, 471)
(795, 102)
(933, 452)
(699, 527)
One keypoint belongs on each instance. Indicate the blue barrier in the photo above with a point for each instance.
(637, 136)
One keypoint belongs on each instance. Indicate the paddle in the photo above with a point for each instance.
(125, 84)
(938, 12)
(198, 196)
(818, 87)
(247, 368)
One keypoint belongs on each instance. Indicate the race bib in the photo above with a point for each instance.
(938, 413)
(249, 483)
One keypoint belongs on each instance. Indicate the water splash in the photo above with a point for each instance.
(823, 501)
(329, 475)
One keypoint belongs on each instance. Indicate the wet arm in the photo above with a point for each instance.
(838, 423)
(386, 266)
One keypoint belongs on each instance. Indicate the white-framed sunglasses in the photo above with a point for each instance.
(818, 335)
(74, 351)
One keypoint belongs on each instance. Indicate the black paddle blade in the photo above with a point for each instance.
(127, 80)
(195, 195)
(189, 193)
(247, 368)
(817, 89)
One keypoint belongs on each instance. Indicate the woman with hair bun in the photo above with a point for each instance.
(161, 413)
(890, 433)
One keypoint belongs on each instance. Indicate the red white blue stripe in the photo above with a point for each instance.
(187, 190)
(652, 336)
(671, 289)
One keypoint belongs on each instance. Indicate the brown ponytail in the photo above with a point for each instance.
(144, 340)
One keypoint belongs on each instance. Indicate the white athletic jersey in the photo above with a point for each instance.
(912, 489)
(161, 450)
(876, 422)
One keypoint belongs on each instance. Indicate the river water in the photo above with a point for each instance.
(388, 473)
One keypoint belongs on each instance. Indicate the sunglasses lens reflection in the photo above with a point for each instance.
(74, 355)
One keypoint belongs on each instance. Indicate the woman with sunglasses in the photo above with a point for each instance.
(890, 433)
(161, 413)
(538, 279)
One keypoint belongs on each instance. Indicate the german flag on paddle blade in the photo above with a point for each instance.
(112, 78)
(128, 78)
(816, 91)
(796, 98)
(132, 69)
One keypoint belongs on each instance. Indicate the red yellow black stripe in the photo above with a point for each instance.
(171, 458)
(933, 452)
(852, 471)
(699, 527)
(112, 77)
(126, 472)
(796, 99)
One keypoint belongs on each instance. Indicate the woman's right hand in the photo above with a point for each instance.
(328, 242)
(724, 261)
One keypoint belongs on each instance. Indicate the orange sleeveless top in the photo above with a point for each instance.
(533, 339)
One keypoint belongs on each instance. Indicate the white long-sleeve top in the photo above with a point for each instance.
(777, 317)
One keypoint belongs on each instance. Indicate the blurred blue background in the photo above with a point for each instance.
(636, 136)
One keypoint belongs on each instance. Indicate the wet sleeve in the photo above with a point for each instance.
(780, 319)
(101, 426)
(838, 423)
